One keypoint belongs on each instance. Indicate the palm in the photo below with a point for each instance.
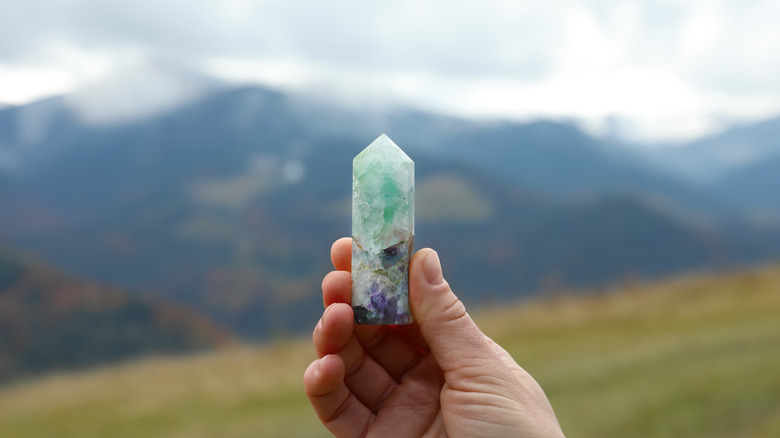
(397, 380)
(392, 383)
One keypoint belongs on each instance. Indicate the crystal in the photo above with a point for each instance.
(382, 233)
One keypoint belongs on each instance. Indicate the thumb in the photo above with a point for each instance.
(453, 337)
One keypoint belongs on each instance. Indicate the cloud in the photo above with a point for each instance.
(140, 89)
(674, 69)
(24, 84)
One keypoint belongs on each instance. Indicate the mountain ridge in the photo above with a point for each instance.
(230, 205)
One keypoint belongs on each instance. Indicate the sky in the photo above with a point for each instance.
(638, 69)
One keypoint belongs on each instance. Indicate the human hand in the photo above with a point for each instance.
(440, 376)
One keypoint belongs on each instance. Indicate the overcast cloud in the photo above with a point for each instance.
(653, 69)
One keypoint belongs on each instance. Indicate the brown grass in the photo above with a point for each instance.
(693, 357)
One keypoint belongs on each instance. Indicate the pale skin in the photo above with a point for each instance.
(438, 377)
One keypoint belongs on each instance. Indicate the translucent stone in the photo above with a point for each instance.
(382, 233)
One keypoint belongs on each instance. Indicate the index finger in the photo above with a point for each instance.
(341, 254)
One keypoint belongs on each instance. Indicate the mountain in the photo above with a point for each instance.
(708, 160)
(542, 155)
(546, 156)
(740, 166)
(230, 204)
(52, 321)
(558, 158)
(24, 129)
(755, 187)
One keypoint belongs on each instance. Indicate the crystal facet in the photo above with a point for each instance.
(382, 233)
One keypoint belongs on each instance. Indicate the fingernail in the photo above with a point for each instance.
(317, 366)
(432, 269)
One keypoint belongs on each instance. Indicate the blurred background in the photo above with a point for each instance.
(600, 178)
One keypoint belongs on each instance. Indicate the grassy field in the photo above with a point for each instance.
(693, 357)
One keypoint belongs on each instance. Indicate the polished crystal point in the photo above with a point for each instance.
(382, 233)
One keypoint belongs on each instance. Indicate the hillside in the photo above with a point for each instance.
(51, 321)
(693, 357)
(757, 187)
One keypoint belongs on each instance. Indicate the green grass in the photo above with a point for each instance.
(695, 357)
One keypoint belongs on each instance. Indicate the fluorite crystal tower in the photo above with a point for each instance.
(382, 233)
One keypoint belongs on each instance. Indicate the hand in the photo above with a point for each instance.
(440, 376)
